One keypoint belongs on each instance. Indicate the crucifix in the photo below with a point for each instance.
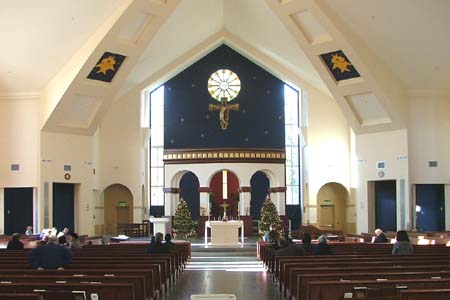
(224, 111)
(224, 205)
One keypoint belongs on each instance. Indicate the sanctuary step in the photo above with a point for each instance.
(224, 270)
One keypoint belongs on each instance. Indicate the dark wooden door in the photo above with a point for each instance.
(430, 207)
(63, 206)
(18, 209)
(386, 205)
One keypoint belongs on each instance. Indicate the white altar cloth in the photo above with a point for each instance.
(224, 233)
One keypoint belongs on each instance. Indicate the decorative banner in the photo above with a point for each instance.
(107, 67)
(339, 65)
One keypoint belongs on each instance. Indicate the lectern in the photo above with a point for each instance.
(160, 224)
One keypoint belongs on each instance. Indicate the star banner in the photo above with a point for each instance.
(339, 65)
(107, 67)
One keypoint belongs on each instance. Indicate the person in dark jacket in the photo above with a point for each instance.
(169, 245)
(51, 256)
(322, 248)
(306, 243)
(380, 237)
(157, 247)
(287, 248)
(15, 243)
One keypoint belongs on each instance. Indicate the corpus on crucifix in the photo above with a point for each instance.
(225, 205)
(224, 111)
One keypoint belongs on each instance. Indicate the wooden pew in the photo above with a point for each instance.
(285, 262)
(150, 290)
(296, 273)
(436, 294)
(113, 259)
(30, 296)
(332, 290)
(299, 290)
(138, 282)
(116, 291)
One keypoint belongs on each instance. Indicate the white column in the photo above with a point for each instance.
(171, 198)
(204, 203)
(279, 199)
(245, 203)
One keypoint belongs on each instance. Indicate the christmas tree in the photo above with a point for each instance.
(269, 216)
(183, 226)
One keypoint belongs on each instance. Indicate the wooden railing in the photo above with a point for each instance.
(134, 229)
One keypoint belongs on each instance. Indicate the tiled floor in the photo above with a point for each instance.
(224, 271)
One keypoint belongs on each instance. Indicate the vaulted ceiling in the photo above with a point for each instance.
(49, 48)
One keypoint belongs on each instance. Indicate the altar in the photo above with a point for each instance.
(224, 233)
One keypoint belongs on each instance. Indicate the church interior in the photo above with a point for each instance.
(114, 112)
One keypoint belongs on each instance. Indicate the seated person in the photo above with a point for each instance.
(29, 230)
(50, 256)
(271, 235)
(76, 243)
(63, 232)
(168, 242)
(379, 236)
(402, 245)
(44, 233)
(287, 248)
(322, 248)
(157, 247)
(15, 243)
(306, 243)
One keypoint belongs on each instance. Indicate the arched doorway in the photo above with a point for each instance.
(331, 200)
(260, 188)
(189, 192)
(118, 206)
(228, 179)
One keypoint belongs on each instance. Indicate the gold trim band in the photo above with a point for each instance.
(223, 155)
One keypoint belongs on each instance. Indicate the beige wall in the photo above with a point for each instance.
(428, 139)
(76, 150)
(19, 142)
(392, 148)
(120, 147)
(328, 149)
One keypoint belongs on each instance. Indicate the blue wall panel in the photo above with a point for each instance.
(259, 123)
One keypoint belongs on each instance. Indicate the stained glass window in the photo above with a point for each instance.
(224, 84)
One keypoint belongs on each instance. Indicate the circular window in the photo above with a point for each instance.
(224, 84)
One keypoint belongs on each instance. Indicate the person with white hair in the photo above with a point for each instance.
(322, 248)
(379, 236)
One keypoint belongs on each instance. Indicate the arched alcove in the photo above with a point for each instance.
(118, 207)
(189, 192)
(232, 194)
(260, 185)
(331, 200)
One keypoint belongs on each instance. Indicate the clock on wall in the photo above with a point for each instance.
(224, 84)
